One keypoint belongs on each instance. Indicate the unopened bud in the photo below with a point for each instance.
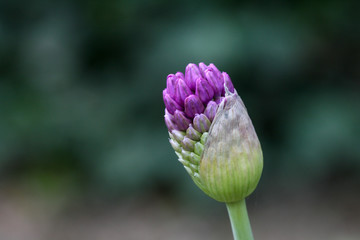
(211, 132)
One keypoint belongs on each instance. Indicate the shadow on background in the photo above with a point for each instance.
(83, 146)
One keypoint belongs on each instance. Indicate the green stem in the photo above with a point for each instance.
(239, 219)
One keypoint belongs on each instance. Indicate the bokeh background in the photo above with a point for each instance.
(83, 147)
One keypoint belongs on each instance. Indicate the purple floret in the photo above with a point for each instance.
(193, 98)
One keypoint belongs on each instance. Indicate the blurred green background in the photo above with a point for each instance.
(83, 146)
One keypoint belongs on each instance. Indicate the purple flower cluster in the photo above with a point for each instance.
(191, 100)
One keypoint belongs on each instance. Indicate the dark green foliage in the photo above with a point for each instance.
(81, 87)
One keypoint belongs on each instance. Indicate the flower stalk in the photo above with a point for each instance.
(239, 219)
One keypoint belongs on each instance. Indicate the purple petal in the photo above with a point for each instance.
(193, 105)
(170, 103)
(171, 85)
(216, 82)
(193, 134)
(181, 121)
(192, 73)
(227, 82)
(210, 110)
(182, 91)
(201, 123)
(204, 90)
(180, 75)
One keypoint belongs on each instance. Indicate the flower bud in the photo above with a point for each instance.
(177, 135)
(210, 110)
(181, 121)
(193, 105)
(204, 90)
(169, 121)
(188, 144)
(201, 123)
(215, 70)
(175, 145)
(182, 91)
(202, 67)
(211, 132)
(170, 103)
(192, 73)
(171, 83)
(216, 82)
(193, 134)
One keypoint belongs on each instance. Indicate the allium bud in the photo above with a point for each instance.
(211, 132)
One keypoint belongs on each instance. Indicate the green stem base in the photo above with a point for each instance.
(239, 219)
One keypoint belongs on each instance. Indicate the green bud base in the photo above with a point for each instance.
(239, 219)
